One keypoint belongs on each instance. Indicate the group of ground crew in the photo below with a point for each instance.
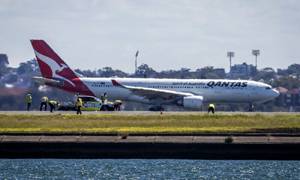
(52, 103)
(44, 103)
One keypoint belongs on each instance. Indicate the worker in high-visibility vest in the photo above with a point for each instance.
(78, 105)
(117, 105)
(211, 108)
(44, 101)
(52, 105)
(28, 100)
(104, 98)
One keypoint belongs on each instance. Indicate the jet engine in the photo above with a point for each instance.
(192, 102)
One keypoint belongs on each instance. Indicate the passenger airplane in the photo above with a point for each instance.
(188, 93)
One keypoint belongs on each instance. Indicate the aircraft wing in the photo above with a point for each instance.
(152, 93)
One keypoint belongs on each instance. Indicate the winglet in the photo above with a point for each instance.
(115, 83)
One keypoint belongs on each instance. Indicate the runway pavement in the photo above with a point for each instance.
(142, 112)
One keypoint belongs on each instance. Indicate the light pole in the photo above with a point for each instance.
(230, 54)
(136, 55)
(256, 53)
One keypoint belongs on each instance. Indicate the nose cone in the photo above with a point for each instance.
(275, 93)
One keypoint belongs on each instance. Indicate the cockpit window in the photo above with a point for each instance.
(268, 88)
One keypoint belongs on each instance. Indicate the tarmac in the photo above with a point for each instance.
(141, 112)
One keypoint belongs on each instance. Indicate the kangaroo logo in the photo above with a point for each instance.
(54, 66)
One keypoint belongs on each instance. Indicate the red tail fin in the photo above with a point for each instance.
(50, 63)
(53, 67)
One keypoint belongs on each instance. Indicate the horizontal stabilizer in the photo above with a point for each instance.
(43, 81)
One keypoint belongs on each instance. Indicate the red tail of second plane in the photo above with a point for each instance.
(52, 67)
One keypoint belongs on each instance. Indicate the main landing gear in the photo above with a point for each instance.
(251, 107)
(156, 108)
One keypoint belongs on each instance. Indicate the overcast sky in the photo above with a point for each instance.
(170, 34)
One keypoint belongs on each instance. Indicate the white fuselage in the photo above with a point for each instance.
(212, 90)
(189, 93)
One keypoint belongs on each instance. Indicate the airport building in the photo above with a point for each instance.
(242, 71)
(3, 60)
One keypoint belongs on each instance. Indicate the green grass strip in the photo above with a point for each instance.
(135, 124)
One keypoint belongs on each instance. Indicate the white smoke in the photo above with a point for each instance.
(44, 88)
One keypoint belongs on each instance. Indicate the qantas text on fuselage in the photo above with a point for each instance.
(189, 93)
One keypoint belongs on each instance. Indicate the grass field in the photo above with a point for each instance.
(135, 124)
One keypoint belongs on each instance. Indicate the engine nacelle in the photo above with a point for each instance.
(192, 102)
